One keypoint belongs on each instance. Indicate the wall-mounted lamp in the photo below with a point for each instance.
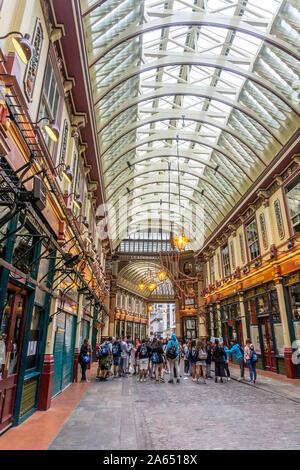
(67, 172)
(22, 45)
(51, 129)
(76, 200)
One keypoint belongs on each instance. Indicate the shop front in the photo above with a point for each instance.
(231, 320)
(292, 299)
(63, 352)
(136, 328)
(190, 327)
(264, 326)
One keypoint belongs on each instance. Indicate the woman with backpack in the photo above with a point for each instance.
(219, 357)
(157, 360)
(186, 361)
(200, 352)
(250, 358)
(172, 355)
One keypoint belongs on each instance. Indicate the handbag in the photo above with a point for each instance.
(202, 356)
(86, 359)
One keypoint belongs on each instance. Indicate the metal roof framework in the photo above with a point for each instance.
(220, 78)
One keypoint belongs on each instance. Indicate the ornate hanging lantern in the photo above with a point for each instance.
(142, 285)
(161, 275)
(152, 286)
(181, 242)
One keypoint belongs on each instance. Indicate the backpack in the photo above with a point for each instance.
(241, 350)
(202, 355)
(104, 350)
(143, 350)
(98, 353)
(171, 354)
(86, 359)
(253, 356)
(155, 357)
(115, 350)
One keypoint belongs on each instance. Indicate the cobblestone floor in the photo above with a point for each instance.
(123, 414)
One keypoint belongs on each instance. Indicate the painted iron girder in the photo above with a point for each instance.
(184, 168)
(208, 92)
(221, 63)
(172, 135)
(235, 23)
(160, 116)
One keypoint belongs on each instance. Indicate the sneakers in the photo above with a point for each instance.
(194, 380)
(162, 380)
(228, 378)
(204, 382)
(170, 381)
(216, 380)
(178, 381)
(198, 382)
(239, 379)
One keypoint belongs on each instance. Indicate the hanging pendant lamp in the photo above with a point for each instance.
(180, 241)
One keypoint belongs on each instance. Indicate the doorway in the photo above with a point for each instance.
(267, 344)
(11, 338)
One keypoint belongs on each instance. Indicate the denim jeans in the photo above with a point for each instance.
(252, 369)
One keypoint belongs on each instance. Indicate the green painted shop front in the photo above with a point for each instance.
(63, 352)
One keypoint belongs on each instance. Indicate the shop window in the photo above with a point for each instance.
(293, 200)
(8, 328)
(49, 102)
(274, 305)
(252, 238)
(34, 338)
(251, 309)
(294, 295)
(279, 218)
(226, 260)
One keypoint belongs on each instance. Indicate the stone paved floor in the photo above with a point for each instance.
(123, 414)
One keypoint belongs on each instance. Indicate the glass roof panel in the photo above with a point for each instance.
(209, 81)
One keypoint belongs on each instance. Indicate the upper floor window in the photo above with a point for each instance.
(293, 199)
(49, 102)
(252, 239)
(226, 260)
(212, 270)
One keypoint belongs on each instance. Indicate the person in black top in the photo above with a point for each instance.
(84, 351)
(219, 356)
(208, 359)
(157, 359)
(144, 353)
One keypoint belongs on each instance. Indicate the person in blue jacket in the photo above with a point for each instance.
(226, 365)
(238, 353)
(172, 355)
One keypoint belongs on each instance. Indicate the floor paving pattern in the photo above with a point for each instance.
(125, 414)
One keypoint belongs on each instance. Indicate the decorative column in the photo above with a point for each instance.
(77, 338)
(201, 309)
(219, 321)
(243, 316)
(112, 310)
(47, 375)
(177, 318)
(288, 351)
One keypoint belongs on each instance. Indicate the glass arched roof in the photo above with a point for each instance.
(211, 86)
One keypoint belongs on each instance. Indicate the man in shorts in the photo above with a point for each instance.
(105, 359)
(144, 353)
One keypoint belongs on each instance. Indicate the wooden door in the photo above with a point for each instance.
(12, 331)
(267, 344)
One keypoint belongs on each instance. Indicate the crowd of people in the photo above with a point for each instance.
(156, 357)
